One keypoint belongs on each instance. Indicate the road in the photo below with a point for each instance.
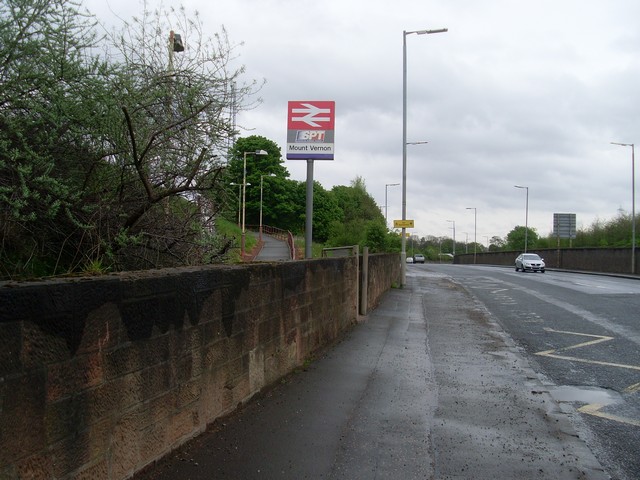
(581, 333)
(426, 386)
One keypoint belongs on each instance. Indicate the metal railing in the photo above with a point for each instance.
(284, 235)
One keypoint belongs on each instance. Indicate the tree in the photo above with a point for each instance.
(173, 123)
(110, 160)
(361, 217)
(276, 194)
(516, 238)
(356, 202)
(326, 211)
(49, 115)
(497, 243)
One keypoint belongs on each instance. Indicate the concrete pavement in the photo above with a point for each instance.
(273, 249)
(425, 387)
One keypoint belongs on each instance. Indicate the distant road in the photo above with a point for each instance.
(582, 333)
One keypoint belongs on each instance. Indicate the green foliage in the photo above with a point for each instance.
(612, 233)
(516, 238)
(268, 172)
(361, 222)
(109, 161)
(326, 212)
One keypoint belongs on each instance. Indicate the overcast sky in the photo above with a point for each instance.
(515, 93)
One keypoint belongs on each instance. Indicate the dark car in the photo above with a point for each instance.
(530, 262)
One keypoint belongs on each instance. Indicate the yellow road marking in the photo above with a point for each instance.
(633, 388)
(554, 353)
(593, 409)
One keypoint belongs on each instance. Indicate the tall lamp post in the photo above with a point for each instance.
(475, 231)
(239, 185)
(526, 217)
(261, 185)
(633, 202)
(454, 236)
(244, 196)
(386, 203)
(403, 253)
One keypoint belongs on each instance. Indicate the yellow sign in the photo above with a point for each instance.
(403, 224)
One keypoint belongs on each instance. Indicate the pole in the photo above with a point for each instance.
(633, 202)
(475, 231)
(386, 222)
(454, 236)
(633, 209)
(526, 217)
(261, 185)
(244, 201)
(386, 203)
(526, 222)
(403, 251)
(239, 206)
(475, 234)
(308, 234)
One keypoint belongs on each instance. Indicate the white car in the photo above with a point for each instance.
(409, 259)
(530, 262)
(418, 258)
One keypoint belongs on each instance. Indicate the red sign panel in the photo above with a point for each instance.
(310, 130)
(311, 115)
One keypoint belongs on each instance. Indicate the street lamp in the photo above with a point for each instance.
(475, 231)
(244, 195)
(526, 217)
(261, 184)
(239, 185)
(454, 236)
(403, 253)
(386, 204)
(633, 203)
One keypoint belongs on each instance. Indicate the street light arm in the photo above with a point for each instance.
(427, 32)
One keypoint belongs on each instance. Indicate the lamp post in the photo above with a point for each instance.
(403, 253)
(261, 185)
(239, 185)
(633, 203)
(386, 204)
(475, 231)
(526, 217)
(244, 196)
(454, 236)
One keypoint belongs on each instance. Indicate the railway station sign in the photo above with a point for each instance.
(310, 130)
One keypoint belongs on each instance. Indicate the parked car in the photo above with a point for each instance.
(409, 259)
(418, 258)
(530, 262)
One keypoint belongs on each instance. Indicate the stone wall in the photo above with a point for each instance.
(605, 260)
(101, 376)
(383, 274)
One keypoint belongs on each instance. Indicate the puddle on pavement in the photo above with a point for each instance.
(570, 393)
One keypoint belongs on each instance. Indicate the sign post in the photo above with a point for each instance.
(564, 226)
(310, 136)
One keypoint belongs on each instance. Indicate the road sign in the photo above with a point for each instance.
(310, 130)
(564, 225)
(403, 224)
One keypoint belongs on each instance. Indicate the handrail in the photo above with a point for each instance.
(284, 235)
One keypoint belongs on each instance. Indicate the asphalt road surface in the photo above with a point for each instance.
(427, 386)
(581, 333)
